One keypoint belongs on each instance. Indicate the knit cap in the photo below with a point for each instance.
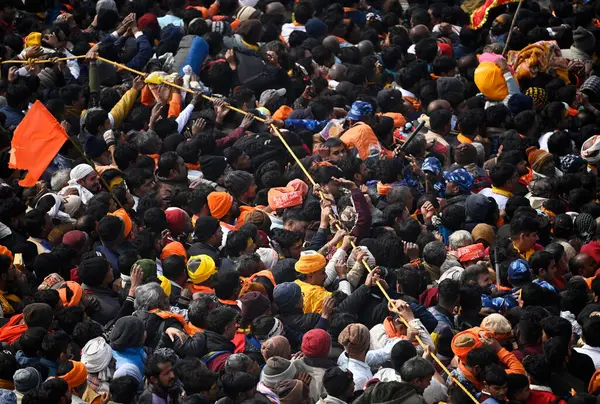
(27, 379)
(316, 343)
(277, 369)
(355, 338)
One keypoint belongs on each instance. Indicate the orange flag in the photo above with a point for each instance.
(36, 141)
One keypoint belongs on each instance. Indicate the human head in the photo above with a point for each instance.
(495, 382)
(160, 371)
(477, 275)
(197, 378)
(222, 320)
(417, 372)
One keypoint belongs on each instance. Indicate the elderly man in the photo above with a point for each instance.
(83, 182)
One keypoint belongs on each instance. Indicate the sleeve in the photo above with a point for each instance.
(121, 109)
(144, 53)
(319, 239)
(423, 334)
(339, 255)
(426, 318)
(184, 117)
(377, 357)
(345, 286)
(230, 138)
(356, 300)
(512, 363)
(363, 212)
(308, 124)
(356, 274)
(73, 65)
(512, 86)
(213, 10)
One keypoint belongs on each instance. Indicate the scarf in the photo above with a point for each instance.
(12, 330)
(499, 191)
(167, 314)
(463, 139)
(263, 389)
(6, 384)
(470, 377)
(390, 330)
(200, 289)
(83, 193)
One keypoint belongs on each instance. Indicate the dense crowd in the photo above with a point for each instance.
(281, 232)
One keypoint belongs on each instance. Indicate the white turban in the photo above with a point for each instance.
(268, 256)
(590, 150)
(453, 273)
(80, 172)
(96, 356)
(55, 212)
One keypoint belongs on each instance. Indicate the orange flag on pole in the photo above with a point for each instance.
(35, 143)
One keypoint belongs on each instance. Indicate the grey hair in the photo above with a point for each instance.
(59, 179)
(460, 238)
(434, 253)
(144, 137)
(398, 194)
(150, 296)
(416, 368)
(449, 264)
(238, 362)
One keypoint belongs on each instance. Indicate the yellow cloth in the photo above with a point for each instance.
(122, 108)
(33, 39)
(310, 262)
(490, 81)
(539, 57)
(313, 296)
(200, 268)
(363, 138)
(165, 284)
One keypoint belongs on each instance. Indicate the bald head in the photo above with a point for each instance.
(366, 48)
(582, 265)
(275, 8)
(418, 32)
(337, 72)
(332, 44)
(465, 62)
(437, 105)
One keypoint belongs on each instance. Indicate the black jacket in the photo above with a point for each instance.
(372, 309)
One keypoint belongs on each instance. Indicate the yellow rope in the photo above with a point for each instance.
(38, 61)
(308, 176)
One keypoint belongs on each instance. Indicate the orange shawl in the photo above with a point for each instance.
(167, 314)
(12, 331)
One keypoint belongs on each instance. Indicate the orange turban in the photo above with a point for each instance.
(174, 248)
(283, 197)
(219, 204)
(77, 376)
(465, 341)
(471, 252)
(298, 186)
(76, 293)
(122, 214)
(310, 262)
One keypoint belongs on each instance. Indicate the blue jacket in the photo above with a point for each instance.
(13, 116)
(135, 356)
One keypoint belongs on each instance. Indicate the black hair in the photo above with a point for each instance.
(195, 376)
(218, 319)
(537, 368)
(54, 344)
(227, 283)
(591, 331)
(124, 389)
(502, 173)
(173, 266)
(152, 365)
(482, 357)
(494, 375)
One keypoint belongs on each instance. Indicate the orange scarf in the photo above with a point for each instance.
(527, 178)
(199, 288)
(167, 314)
(6, 384)
(383, 189)
(415, 103)
(229, 303)
(390, 330)
(463, 139)
(154, 157)
(192, 329)
(470, 377)
(191, 166)
(12, 331)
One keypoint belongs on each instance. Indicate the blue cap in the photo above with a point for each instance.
(519, 270)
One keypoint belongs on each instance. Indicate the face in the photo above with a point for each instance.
(148, 186)
(522, 395)
(551, 272)
(528, 240)
(484, 281)
(230, 330)
(294, 251)
(167, 377)
(588, 267)
(497, 392)
(217, 238)
(452, 189)
(180, 171)
(548, 168)
(296, 226)
(522, 168)
(251, 193)
(421, 384)
(91, 182)
(318, 278)
(336, 153)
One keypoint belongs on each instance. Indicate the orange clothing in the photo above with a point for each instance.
(364, 139)
(175, 105)
(199, 288)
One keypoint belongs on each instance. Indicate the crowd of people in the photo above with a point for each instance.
(281, 233)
